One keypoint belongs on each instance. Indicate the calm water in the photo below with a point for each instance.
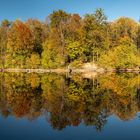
(58, 107)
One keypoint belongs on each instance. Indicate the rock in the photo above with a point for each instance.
(90, 66)
(101, 70)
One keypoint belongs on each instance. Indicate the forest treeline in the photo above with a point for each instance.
(65, 39)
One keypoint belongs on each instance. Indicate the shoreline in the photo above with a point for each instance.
(64, 70)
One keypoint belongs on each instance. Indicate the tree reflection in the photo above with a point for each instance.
(70, 101)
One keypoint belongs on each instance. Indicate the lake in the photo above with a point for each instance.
(66, 107)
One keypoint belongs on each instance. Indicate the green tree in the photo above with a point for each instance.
(33, 61)
(94, 35)
(123, 56)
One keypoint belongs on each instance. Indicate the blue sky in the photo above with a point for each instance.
(23, 9)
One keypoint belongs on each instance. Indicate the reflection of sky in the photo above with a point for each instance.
(22, 129)
(23, 9)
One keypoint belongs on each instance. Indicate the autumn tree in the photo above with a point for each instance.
(40, 33)
(73, 47)
(4, 27)
(59, 20)
(20, 42)
(54, 48)
(123, 27)
(52, 55)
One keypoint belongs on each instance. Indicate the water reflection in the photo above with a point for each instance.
(71, 101)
